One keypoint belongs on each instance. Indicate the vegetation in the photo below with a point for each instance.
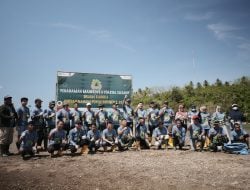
(211, 95)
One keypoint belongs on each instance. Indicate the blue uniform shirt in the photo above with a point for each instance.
(237, 134)
(205, 118)
(109, 134)
(195, 130)
(50, 121)
(101, 117)
(153, 114)
(160, 131)
(89, 117)
(115, 116)
(23, 114)
(28, 139)
(179, 132)
(140, 131)
(166, 116)
(75, 135)
(96, 135)
(57, 136)
(65, 116)
(37, 117)
(124, 133)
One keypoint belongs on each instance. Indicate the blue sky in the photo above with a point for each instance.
(160, 42)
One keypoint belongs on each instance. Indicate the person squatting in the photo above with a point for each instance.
(62, 128)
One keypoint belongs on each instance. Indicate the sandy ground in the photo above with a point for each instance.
(146, 169)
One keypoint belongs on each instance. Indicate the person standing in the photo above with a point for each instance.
(235, 115)
(128, 112)
(167, 115)
(50, 118)
(115, 116)
(182, 115)
(65, 115)
(88, 116)
(8, 116)
(39, 124)
(76, 114)
(153, 119)
(101, 118)
(193, 111)
(23, 114)
(140, 112)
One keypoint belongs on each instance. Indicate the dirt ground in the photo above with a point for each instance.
(146, 169)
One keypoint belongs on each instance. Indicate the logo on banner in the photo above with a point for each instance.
(96, 84)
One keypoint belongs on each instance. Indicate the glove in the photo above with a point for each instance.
(76, 146)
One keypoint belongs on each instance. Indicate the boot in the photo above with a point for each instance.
(3, 150)
(150, 141)
(113, 147)
(7, 150)
(85, 149)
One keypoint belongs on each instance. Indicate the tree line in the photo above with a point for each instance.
(211, 95)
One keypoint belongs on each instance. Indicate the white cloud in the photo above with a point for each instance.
(102, 35)
(199, 17)
(106, 36)
(65, 25)
(223, 31)
(244, 46)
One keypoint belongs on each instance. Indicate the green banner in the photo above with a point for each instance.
(94, 88)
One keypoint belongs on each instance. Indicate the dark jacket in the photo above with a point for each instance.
(5, 116)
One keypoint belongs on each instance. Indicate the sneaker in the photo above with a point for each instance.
(4, 155)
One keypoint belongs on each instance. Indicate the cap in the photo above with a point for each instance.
(38, 100)
(52, 103)
(7, 97)
(234, 105)
(140, 118)
(115, 103)
(88, 104)
(100, 105)
(152, 102)
(195, 117)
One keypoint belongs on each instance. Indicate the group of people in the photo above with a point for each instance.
(71, 129)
